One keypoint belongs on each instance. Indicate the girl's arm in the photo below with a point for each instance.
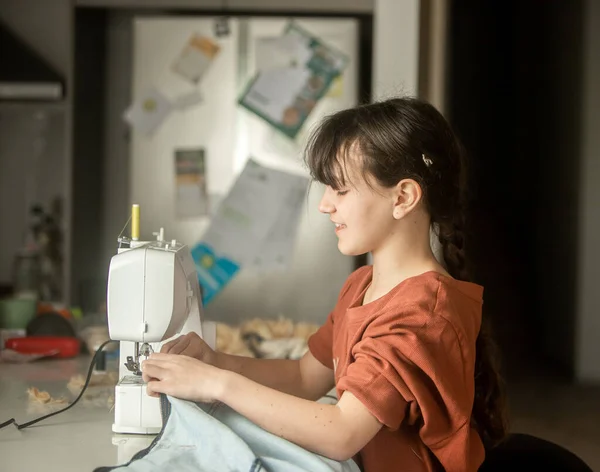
(335, 431)
(305, 378)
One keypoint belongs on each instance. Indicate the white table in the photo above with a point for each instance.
(79, 439)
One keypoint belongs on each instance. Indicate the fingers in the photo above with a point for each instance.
(148, 390)
(158, 364)
(176, 345)
(168, 346)
(159, 372)
(154, 388)
(181, 346)
(178, 359)
(153, 370)
(162, 357)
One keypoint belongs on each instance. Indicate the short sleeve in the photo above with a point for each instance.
(376, 378)
(320, 344)
(417, 376)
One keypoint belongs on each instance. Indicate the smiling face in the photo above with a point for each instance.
(361, 211)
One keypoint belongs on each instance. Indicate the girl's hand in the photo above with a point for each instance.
(182, 377)
(191, 345)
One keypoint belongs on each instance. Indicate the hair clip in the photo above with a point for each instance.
(426, 160)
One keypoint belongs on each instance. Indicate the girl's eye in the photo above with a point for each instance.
(342, 192)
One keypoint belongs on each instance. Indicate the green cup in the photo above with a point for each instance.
(16, 313)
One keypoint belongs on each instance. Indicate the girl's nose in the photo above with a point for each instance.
(326, 204)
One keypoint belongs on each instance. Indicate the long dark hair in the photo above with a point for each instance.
(408, 138)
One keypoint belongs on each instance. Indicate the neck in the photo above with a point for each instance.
(402, 258)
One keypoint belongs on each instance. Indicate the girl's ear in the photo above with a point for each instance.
(407, 195)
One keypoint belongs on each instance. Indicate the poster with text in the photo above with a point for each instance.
(298, 70)
(254, 226)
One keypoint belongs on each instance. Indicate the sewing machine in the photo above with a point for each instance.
(153, 296)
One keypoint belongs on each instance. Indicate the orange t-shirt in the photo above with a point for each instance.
(409, 357)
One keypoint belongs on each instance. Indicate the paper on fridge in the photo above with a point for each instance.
(191, 198)
(195, 58)
(149, 111)
(336, 89)
(300, 72)
(243, 223)
(214, 270)
(247, 214)
(279, 52)
(277, 249)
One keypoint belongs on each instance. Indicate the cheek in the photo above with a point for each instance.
(375, 214)
(380, 224)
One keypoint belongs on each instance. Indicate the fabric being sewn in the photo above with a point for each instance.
(215, 438)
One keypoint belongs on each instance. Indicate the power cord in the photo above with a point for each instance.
(85, 385)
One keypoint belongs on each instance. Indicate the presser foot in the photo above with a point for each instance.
(133, 366)
(133, 362)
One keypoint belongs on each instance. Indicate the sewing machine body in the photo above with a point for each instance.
(153, 296)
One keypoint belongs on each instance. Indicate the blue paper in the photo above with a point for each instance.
(214, 271)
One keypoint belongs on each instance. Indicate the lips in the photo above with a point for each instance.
(339, 226)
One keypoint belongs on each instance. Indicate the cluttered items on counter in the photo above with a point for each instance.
(44, 398)
(46, 332)
(38, 264)
(257, 337)
(47, 346)
(98, 393)
(35, 289)
(280, 338)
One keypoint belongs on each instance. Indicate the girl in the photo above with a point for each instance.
(417, 387)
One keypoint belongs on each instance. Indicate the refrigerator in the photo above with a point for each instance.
(229, 135)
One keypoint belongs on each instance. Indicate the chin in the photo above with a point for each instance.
(350, 251)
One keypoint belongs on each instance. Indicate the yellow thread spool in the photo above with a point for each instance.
(135, 222)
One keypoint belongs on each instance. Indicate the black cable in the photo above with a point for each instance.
(85, 385)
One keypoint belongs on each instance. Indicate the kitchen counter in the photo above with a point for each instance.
(79, 439)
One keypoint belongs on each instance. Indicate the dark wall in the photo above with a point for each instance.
(514, 98)
(88, 154)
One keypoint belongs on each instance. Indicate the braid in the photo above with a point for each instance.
(489, 409)
(489, 406)
(452, 238)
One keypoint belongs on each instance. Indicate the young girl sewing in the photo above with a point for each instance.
(403, 346)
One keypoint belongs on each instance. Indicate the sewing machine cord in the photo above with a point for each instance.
(85, 385)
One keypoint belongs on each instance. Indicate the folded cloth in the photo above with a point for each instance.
(215, 438)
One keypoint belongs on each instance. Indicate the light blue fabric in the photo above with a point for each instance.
(207, 438)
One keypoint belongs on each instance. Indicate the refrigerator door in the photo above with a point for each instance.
(229, 134)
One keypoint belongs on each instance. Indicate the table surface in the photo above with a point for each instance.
(79, 439)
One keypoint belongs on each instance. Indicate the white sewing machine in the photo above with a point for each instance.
(153, 295)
